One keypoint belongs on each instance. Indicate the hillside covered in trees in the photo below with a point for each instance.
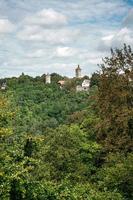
(58, 144)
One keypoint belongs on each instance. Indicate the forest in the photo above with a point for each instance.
(59, 144)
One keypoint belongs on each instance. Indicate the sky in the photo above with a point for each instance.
(46, 36)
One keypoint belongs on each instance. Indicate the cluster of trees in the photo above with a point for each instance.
(57, 144)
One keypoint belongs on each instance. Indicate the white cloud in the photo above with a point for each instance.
(18, 62)
(94, 57)
(65, 52)
(124, 35)
(36, 54)
(47, 25)
(52, 36)
(119, 37)
(6, 26)
(62, 35)
(99, 10)
(47, 17)
(108, 37)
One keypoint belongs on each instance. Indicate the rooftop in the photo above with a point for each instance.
(78, 68)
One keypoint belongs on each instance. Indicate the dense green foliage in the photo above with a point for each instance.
(57, 144)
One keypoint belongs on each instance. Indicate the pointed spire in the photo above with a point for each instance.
(78, 72)
(78, 68)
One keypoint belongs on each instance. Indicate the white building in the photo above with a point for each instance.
(48, 78)
(3, 86)
(84, 86)
(61, 83)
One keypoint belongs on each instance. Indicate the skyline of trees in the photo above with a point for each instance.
(59, 144)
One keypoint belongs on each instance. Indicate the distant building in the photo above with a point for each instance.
(61, 83)
(78, 72)
(3, 86)
(48, 79)
(84, 86)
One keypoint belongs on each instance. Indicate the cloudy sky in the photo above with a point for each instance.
(40, 36)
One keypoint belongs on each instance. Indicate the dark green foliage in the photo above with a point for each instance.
(70, 154)
(94, 81)
(115, 97)
(62, 145)
(117, 174)
(56, 77)
(28, 147)
(15, 191)
(43, 106)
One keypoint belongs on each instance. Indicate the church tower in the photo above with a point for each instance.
(78, 72)
(48, 78)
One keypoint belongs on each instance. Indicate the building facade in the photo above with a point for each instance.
(3, 86)
(48, 79)
(78, 72)
(84, 86)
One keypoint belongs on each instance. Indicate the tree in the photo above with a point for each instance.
(94, 80)
(56, 77)
(117, 174)
(68, 153)
(28, 147)
(15, 192)
(115, 100)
